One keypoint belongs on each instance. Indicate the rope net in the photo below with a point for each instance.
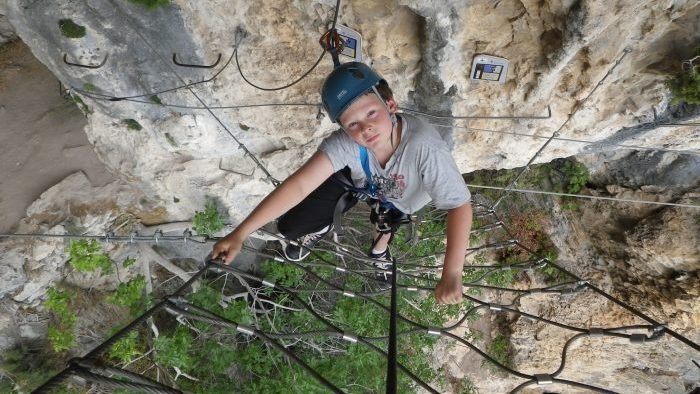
(323, 324)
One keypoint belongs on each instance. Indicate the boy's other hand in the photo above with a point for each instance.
(227, 248)
(449, 290)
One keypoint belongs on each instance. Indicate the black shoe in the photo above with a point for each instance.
(305, 244)
(383, 262)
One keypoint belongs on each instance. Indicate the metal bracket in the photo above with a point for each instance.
(595, 332)
(638, 338)
(102, 63)
(218, 59)
(542, 378)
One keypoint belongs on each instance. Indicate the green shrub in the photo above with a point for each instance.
(174, 350)
(209, 221)
(61, 338)
(151, 4)
(81, 104)
(87, 256)
(24, 368)
(130, 294)
(71, 29)
(170, 140)
(125, 349)
(155, 99)
(132, 124)
(60, 331)
(501, 278)
(685, 86)
(499, 349)
(58, 302)
(576, 174)
(88, 87)
(128, 262)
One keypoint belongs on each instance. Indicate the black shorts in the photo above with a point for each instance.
(316, 211)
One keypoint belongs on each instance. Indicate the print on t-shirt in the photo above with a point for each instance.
(392, 187)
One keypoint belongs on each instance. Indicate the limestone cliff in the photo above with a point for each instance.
(174, 154)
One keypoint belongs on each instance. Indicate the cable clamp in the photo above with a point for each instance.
(157, 235)
(133, 235)
(179, 301)
(659, 330)
(541, 263)
(595, 332)
(638, 338)
(108, 236)
(268, 283)
(350, 337)
(348, 294)
(580, 285)
(543, 378)
(434, 331)
(186, 234)
(340, 269)
(319, 115)
(495, 307)
(245, 329)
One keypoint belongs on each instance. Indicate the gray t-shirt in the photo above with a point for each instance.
(420, 170)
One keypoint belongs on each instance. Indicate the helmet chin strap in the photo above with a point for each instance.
(392, 116)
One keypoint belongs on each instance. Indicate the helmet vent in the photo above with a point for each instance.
(358, 74)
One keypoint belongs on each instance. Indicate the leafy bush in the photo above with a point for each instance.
(132, 124)
(501, 278)
(685, 86)
(125, 349)
(24, 368)
(81, 104)
(87, 256)
(89, 87)
(151, 4)
(174, 350)
(528, 227)
(60, 332)
(499, 349)
(209, 221)
(61, 338)
(576, 174)
(128, 262)
(71, 29)
(130, 294)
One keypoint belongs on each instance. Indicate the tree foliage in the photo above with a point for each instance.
(88, 256)
(208, 221)
(685, 86)
(71, 29)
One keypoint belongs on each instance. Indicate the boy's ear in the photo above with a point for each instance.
(392, 105)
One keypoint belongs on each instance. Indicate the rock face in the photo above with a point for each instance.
(559, 51)
(598, 65)
(7, 32)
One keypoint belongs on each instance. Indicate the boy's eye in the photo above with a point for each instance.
(371, 113)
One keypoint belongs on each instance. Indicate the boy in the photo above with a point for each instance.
(401, 162)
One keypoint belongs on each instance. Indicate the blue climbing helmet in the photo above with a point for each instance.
(344, 85)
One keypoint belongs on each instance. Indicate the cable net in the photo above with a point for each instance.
(322, 324)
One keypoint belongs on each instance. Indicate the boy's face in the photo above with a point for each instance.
(367, 121)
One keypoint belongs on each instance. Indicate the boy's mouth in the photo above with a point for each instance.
(372, 138)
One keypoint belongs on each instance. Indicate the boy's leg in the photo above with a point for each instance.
(386, 222)
(315, 212)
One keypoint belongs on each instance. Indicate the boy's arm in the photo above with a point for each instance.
(459, 224)
(287, 195)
